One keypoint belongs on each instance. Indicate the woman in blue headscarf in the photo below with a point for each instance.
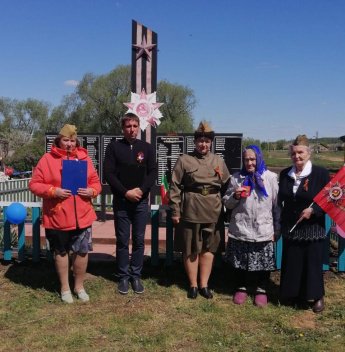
(254, 224)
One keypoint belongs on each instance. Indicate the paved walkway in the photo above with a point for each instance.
(104, 241)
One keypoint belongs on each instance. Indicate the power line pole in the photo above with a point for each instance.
(317, 142)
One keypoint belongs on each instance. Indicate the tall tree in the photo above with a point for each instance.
(24, 158)
(6, 114)
(31, 115)
(97, 104)
(179, 102)
(63, 113)
(251, 141)
(20, 121)
(280, 144)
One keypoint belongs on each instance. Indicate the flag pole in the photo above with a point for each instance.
(343, 139)
(299, 220)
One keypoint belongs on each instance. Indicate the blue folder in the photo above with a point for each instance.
(74, 175)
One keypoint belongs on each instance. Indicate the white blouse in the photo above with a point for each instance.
(305, 172)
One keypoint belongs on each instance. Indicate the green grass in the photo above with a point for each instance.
(32, 318)
(280, 159)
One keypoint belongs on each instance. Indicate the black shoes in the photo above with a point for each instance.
(137, 286)
(205, 292)
(319, 306)
(123, 286)
(192, 292)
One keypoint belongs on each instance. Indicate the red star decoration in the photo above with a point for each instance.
(335, 194)
(146, 108)
(143, 48)
(151, 121)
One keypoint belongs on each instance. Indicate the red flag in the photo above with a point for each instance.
(332, 198)
(164, 190)
(8, 171)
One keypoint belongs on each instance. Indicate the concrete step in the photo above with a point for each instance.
(102, 233)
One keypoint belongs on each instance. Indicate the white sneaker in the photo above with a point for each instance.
(66, 297)
(82, 295)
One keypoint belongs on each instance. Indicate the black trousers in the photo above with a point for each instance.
(125, 215)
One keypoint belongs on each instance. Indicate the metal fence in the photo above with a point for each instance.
(18, 191)
(35, 220)
(155, 224)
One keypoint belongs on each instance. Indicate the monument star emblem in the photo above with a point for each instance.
(143, 48)
(145, 107)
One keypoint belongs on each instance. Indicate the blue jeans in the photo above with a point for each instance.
(125, 214)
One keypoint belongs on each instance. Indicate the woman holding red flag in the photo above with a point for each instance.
(302, 259)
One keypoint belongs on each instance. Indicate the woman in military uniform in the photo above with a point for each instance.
(198, 183)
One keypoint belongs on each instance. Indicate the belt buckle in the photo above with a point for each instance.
(205, 191)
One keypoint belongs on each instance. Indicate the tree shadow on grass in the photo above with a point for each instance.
(43, 275)
(40, 275)
(221, 280)
(161, 273)
(105, 269)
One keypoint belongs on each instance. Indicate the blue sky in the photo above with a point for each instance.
(267, 69)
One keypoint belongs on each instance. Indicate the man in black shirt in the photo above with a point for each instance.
(130, 169)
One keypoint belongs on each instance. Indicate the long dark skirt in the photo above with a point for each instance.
(302, 274)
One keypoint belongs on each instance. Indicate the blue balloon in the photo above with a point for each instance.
(16, 213)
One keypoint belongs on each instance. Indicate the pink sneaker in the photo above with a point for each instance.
(240, 297)
(260, 300)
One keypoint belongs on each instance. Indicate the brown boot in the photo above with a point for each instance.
(319, 306)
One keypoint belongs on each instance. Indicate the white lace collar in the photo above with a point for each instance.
(305, 172)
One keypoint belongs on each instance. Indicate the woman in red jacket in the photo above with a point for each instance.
(67, 218)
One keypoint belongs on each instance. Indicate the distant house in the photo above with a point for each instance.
(322, 147)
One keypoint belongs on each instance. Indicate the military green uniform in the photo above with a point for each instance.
(197, 185)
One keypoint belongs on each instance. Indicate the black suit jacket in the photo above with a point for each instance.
(294, 205)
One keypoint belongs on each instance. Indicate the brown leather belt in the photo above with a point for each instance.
(204, 191)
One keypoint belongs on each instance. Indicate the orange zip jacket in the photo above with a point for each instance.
(74, 211)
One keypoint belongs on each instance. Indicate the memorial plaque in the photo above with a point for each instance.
(190, 145)
(168, 149)
(49, 142)
(92, 144)
(229, 148)
(105, 140)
